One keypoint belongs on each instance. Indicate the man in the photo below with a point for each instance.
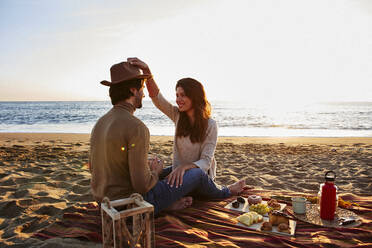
(120, 141)
(119, 152)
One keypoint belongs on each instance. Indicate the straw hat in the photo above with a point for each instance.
(123, 72)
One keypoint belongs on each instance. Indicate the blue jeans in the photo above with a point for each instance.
(196, 183)
(165, 172)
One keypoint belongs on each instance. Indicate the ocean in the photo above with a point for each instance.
(345, 119)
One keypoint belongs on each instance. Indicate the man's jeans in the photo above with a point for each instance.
(196, 183)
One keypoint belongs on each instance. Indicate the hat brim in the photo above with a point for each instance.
(143, 76)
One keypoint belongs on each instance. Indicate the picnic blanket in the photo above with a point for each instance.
(209, 224)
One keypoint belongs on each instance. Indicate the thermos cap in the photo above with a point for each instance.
(330, 176)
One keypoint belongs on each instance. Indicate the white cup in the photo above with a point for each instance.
(299, 205)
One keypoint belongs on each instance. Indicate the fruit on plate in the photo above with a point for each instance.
(260, 208)
(250, 218)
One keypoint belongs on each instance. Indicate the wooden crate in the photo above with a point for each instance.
(128, 222)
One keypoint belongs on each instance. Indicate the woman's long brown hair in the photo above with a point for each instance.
(202, 111)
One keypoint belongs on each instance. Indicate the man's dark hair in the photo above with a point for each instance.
(121, 91)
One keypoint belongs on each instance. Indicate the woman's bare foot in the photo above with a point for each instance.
(237, 187)
(182, 203)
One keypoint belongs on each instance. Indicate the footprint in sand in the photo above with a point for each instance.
(38, 179)
(56, 149)
(48, 210)
(8, 233)
(27, 202)
(77, 189)
(9, 182)
(254, 181)
(308, 185)
(20, 193)
(28, 226)
(2, 175)
(42, 193)
(47, 171)
(301, 175)
(86, 197)
(32, 224)
(60, 185)
(18, 146)
(47, 199)
(369, 187)
(85, 182)
(33, 170)
(73, 198)
(4, 224)
(10, 209)
(61, 177)
(43, 165)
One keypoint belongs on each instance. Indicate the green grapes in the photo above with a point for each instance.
(260, 208)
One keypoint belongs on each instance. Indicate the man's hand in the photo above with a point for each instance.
(140, 64)
(156, 165)
(175, 178)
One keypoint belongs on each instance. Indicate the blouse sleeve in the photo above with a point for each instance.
(208, 147)
(166, 107)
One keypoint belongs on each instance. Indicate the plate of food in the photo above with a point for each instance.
(256, 204)
(277, 222)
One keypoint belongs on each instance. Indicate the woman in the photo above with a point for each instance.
(196, 132)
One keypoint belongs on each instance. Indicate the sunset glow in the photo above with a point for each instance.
(250, 51)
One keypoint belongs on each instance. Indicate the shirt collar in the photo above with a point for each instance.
(127, 106)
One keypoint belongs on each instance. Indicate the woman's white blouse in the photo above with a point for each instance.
(184, 151)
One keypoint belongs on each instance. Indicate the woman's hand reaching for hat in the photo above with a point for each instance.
(140, 64)
(151, 86)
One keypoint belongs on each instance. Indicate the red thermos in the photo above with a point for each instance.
(328, 197)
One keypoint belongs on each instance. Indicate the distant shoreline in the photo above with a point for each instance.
(220, 136)
(84, 137)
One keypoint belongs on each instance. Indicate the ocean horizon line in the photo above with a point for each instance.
(210, 100)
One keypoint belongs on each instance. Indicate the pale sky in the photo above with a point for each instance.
(278, 51)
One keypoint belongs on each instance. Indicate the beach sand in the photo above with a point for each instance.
(42, 175)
